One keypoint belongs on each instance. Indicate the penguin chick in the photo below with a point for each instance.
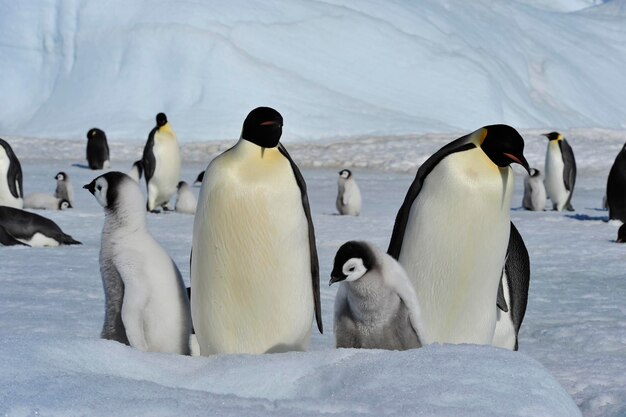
(534, 192)
(41, 201)
(348, 194)
(185, 200)
(136, 171)
(376, 306)
(64, 190)
(146, 302)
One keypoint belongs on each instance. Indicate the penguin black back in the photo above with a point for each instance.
(97, 148)
(23, 224)
(616, 187)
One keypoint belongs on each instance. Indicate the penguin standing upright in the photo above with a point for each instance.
(161, 164)
(534, 192)
(560, 172)
(64, 190)
(451, 233)
(348, 194)
(97, 149)
(146, 301)
(254, 266)
(11, 190)
(616, 188)
(375, 306)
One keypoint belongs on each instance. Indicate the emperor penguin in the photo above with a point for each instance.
(146, 304)
(33, 229)
(7, 240)
(97, 149)
(41, 201)
(161, 164)
(512, 293)
(348, 194)
(64, 190)
(11, 189)
(375, 306)
(621, 234)
(136, 171)
(560, 172)
(452, 231)
(254, 265)
(185, 200)
(534, 192)
(616, 188)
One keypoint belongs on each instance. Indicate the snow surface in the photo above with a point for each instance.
(333, 68)
(572, 342)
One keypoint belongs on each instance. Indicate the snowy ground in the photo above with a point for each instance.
(51, 307)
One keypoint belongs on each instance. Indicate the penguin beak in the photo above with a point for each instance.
(335, 278)
(91, 187)
(521, 160)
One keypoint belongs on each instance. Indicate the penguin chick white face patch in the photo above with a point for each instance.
(344, 174)
(100, 191)
(354, 269)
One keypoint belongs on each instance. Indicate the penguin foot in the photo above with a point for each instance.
(569, 208)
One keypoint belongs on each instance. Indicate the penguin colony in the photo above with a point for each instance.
(444, 278)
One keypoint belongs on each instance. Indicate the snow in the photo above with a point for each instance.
(572, 342)
(335, 68)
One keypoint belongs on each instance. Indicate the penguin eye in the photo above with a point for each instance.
(99, 187)
(351, 269)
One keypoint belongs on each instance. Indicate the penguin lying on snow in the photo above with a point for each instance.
(33, 229)
(11, 189)
(452, 232)
(254, 266)
(560, 172)
(41, 201)
(376, 306)
(97, 149)
(146, 302)
(64, 190)
(7, 240)
(348, 194)
(534, 192)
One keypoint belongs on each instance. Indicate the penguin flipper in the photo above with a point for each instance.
(14, 175)
(397, 236)
(315, 268)
(148, 161)
(7, 240)
(569, 170)
(501, 301)
(517, 268)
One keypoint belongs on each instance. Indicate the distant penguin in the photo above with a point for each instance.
(616, 188)
(146, 301)
(348, 194)
(254, 266)
(185, 200)
(11, 191)
(64, 190)
(560, 175)
(136, 171)
(452, 232)
(33, 229)
(161, 164)
(97, 149)
(534, 192)
(199, 179)
(512, 293)
(41, 201)
(621, 234)
(376, 306)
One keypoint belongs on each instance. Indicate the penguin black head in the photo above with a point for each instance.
(352, 261)
(263, 126)
(504, 146)
(534, 172)
(61, 176)
(64, 204)
(161, 119)
(345, 173)
(621, 234)
(95, 133)
(180, 184)
(106, 188)
(552, 135)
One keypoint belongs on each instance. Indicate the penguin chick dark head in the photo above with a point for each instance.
(345, 173)
(352, 261)
(263, 126)
(161, 119)
(96, 133)
(504, 146)
(106, 188)
(552, 135)
(621, 234)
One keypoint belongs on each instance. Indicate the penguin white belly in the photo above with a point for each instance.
(538, 196)
(455, 244)
(39, 240)
(504, 335)
(167, 170)
(555, 186)
(251, 271)
(6, 198)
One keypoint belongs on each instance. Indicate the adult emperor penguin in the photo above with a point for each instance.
(97, 149)
(11, 191)
(136, 171)
(348, 194)
(254, 269)
(616, 188)
(512, 293)
(7, 240)
(161, 164)
(41, 201)
(452, 231)
(185, 200)
(146, 301)
(560, 172)
(64, 190)
(534, 192)
(375, 306)
(33, 229)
